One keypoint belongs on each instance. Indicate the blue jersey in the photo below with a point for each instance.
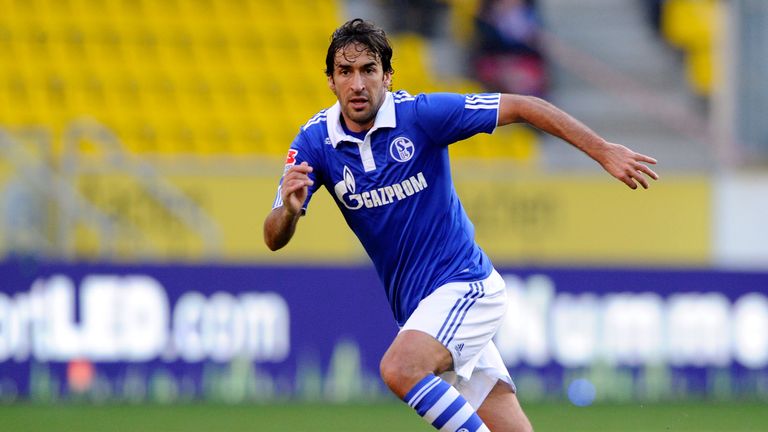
(395, 191)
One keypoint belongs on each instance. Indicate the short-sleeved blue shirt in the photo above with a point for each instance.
(395, 191)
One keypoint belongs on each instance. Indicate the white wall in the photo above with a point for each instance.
(740, 221)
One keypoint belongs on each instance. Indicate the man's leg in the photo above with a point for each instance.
(502, 412)
(412, 356)
(409, 367)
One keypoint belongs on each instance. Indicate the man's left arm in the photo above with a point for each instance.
(624, 164)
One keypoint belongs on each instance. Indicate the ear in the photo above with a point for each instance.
(331, 84)
(387, 80)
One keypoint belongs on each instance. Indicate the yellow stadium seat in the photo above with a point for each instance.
(693, 25)
(700, 70)
(27, 101)
(90, 10)
(687, 23)
(179, 76)
(23, 8)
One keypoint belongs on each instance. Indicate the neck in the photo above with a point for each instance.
(356, 130)
(355, 127)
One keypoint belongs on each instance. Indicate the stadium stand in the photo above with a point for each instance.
(194, 77)
(185, 77)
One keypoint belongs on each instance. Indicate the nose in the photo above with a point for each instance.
(358, 83)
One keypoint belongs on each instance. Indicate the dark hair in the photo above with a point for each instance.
(360, 31)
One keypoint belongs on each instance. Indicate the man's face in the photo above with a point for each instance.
(360, 83)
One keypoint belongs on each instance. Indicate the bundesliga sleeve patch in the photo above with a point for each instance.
(290, 160)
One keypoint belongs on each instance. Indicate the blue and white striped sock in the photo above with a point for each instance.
(441, 405)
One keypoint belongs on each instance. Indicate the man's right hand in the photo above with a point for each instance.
(294, 187)
(280, 223)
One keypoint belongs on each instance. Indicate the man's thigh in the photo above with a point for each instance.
(463, 317)
(501, 411)
(416, 349)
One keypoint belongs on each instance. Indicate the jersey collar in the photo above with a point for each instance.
(385, 118)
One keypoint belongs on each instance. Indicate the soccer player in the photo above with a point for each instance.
(383, 156)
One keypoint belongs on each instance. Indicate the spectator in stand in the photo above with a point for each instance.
(507, 55)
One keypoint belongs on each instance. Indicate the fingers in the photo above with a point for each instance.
(630, 167)
(292, 185)
(649, 172)
(639, 174)
(627, 179)
(644, 158)
(294, 191)
(640, 178)
(295, 184)
(298, 176)
(303, 168)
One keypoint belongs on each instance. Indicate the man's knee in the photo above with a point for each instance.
(401, 373)
(412, 356)
(389, 371)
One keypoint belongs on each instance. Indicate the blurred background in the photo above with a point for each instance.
(141, 144)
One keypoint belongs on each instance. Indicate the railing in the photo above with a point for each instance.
(43, 206)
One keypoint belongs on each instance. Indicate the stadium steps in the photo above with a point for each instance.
(633, 89)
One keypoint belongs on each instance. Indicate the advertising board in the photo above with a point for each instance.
(238, 333)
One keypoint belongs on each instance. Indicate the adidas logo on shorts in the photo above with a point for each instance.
(458, 348)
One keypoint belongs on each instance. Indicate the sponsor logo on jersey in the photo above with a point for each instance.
(346, 191)
(349, 180)
(401, 149)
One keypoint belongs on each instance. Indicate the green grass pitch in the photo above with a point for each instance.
(386, 417)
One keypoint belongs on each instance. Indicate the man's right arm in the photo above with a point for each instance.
(280, 224)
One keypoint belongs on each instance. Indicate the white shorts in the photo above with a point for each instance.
(464, 317)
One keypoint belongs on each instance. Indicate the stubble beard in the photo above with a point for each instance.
(362, 118)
